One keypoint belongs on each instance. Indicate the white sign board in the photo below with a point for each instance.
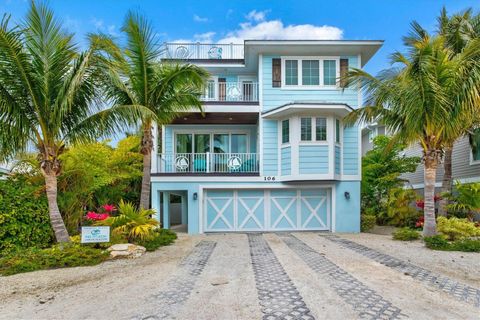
(95, 234)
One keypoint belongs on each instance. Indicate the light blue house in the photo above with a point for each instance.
(270, 152)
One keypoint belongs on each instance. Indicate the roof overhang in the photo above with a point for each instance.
(365, 48)
(308, 108)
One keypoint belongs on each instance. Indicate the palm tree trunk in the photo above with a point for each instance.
(61, 233)
(446, 182)
(146, 150)
(430, 173)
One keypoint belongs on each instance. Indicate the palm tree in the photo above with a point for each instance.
(414, 100)
(458, 30)
(48, 93)
(135, 77)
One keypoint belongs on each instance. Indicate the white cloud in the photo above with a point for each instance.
(197, 18)
(276, 30)
(110, 29)
(257, 16)
(206, 37)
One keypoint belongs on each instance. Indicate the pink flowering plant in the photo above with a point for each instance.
(104, 212)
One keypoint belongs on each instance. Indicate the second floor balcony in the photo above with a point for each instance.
(207, 52)
(231, 91)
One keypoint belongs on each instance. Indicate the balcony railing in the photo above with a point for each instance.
(246, 91)
(202, 51)
(235, 163)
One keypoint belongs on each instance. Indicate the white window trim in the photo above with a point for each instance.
(300, 86)
(473, 162)
(314, 133)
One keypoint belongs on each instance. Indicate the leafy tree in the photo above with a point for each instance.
(381, 170)
(48, 98)
(414, 100)
(136, 78)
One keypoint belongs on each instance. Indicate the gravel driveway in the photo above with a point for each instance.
(255, 276)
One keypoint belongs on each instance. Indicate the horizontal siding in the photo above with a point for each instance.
(313, 159)
(270, 147)
(286, 161)
(350, 150)
(337, 159)
(275, 97)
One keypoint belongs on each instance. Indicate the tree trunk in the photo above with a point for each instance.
(146, 150)
(61, 233)
(447, 182)
(430, 173)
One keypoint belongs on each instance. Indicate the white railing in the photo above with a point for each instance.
(202, 51)
(208, 163)
(231, 91)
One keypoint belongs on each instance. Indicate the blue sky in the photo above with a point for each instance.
(234, 20)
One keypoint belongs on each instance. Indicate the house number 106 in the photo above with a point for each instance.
(269, 178)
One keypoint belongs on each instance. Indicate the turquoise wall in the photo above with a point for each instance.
(275, 97)
(348, 211)
(270, 147)
(286, 161)
(313, 159)
(338, 159)
(351, 145)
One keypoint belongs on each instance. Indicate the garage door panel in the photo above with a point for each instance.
(314, 209)
(250, 210)
(220, 211)
(283, 212)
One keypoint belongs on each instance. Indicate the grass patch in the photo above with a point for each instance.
(406, 234)
(161, 237)
(32, 259)
(439, 242)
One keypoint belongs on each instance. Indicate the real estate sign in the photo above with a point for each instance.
(95, 234)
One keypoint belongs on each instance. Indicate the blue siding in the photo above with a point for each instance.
(350, 150)
(270, 147)
(337, 159)
(313, 159)
(275, 97)
(348, 211)
(286, 161)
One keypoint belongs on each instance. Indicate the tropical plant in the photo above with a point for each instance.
(136, 78)
(455, 228)
(465, 201)
(367, 222)
(134, 224)
(401, 211)
(458, 30)
(414, 100)
(406, 234)
(381, 170)
(48, 97)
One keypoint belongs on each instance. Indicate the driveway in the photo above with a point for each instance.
(255, 276)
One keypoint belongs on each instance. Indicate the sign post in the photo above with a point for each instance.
(95, 234)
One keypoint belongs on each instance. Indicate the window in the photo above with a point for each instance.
(184, 143)
(337, 131)
(210, 90)
(475, 144)
(310, 73)
(285, 131)
(329, 72)
(291, 72)
(306, 129)
(321, 129)
(372, 134)
(239, 143)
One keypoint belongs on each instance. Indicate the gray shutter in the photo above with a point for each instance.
(276, 73)
(343, 72)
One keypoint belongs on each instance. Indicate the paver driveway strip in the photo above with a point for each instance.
(454, 288)
(368, 303)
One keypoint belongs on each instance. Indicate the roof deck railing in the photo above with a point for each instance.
(202, 51)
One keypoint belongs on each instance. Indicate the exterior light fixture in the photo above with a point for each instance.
(195, 196)
(347, 195)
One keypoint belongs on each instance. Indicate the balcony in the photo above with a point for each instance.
(208, 164)
(207, 52)
(231, 91)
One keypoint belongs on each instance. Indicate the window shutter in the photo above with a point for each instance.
(343, 72)
(276, 73)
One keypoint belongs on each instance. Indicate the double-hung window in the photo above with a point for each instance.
(310, 72)
(306, 129)
(291, 72)
(285, 131)
(321, 129)
(337, 131)
(318, 132)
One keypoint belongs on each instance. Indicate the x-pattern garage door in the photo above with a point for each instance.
(267, 210)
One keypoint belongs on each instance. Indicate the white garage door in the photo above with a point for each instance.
(266, 210)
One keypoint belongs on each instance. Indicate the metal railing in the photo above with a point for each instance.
(202, 51)
(231, 91)
(208, 163)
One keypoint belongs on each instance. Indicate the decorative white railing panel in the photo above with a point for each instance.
(208, 163)
(202, 51)
(246, 91)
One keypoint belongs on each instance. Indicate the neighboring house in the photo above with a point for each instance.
(270, 152)
(4, 170)
(465, 164)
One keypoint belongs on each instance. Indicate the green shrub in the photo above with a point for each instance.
(406, 234)
(24, 219)
(400, 209)
(466, 200)
(455, 228)
(367, 222)
(161, 237)
(437, 242)
(32, 259)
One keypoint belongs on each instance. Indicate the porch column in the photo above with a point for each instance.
(166, 210)
(156, 203)
(184, 209)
